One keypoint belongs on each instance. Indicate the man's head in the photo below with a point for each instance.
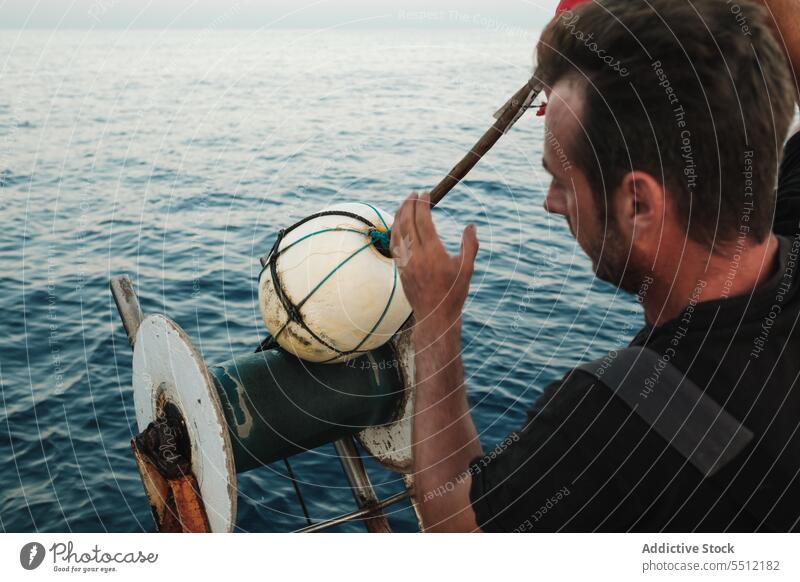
(664, 126)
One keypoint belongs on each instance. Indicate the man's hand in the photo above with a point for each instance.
(435, 283)
(443, 436)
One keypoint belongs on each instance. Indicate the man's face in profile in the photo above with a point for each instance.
(571, 196)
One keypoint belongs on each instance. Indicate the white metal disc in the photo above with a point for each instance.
(167, 368)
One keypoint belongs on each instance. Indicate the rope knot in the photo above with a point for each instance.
(380, 239)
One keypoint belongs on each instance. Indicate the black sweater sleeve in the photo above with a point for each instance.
(787, 208)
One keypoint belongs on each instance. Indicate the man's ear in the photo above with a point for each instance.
(640, 206)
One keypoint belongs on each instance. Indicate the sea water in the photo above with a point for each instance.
(175, 157)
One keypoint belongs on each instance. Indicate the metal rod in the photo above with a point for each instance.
(508, 116)
(356, 514)
(408, 479)
(363, 492)
(128, 305)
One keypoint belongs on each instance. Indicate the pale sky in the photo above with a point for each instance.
(222, 14)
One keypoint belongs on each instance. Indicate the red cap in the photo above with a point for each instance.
(568, 5)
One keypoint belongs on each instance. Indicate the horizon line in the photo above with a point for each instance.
(268, 27)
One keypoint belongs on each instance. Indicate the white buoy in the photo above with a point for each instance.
(347, 295)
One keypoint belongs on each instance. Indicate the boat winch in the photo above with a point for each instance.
(200, 426)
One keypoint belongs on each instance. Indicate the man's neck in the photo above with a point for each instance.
(697, 277)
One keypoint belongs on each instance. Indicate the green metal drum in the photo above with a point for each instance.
(276, 405)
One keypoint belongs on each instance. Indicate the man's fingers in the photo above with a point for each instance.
(408, 217)
(424, 220)
(410, 227)
(469, 248)
(400, 224)
(403, 232)
(397, 229)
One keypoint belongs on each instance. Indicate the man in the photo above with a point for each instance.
(674, 116)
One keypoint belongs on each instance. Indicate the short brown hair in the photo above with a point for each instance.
(697, 92)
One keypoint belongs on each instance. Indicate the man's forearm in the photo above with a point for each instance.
(444, 436)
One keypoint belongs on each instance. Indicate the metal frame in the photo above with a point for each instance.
(370, 508)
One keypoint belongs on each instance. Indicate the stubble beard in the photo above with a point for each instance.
(614, 262)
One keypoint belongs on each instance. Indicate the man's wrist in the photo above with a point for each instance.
(437, 356)
(432, 328)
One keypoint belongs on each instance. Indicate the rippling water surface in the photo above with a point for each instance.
(175, 157)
